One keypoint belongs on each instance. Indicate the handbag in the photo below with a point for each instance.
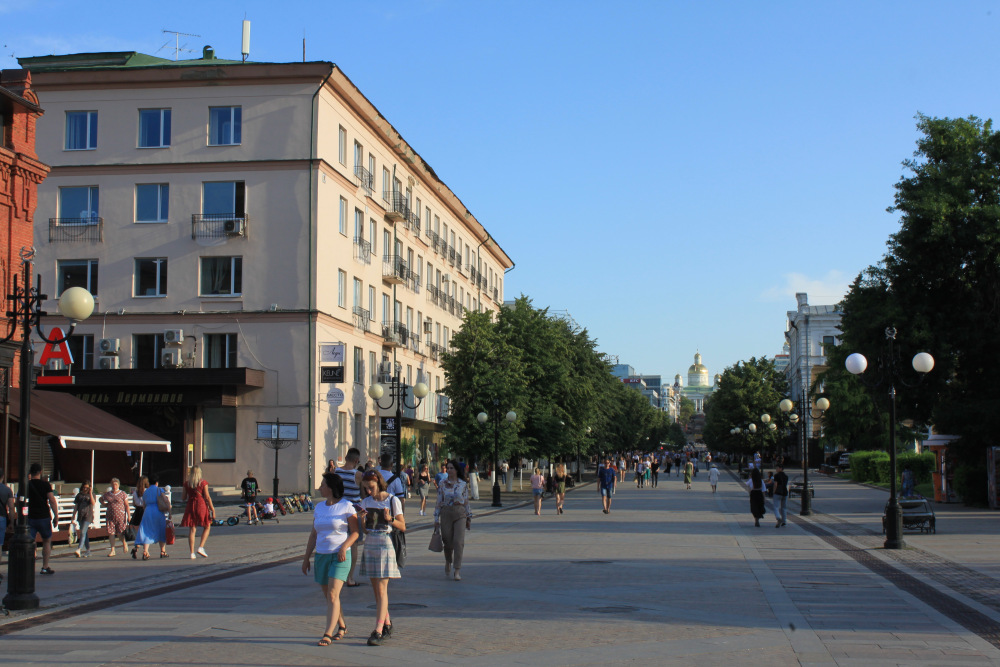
(163, 503)
(436, 544)
(129, 534)
(398, 540)
(171, 536)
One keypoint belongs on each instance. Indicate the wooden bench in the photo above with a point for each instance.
(917, 515)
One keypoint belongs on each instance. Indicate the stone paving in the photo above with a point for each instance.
(669, 577)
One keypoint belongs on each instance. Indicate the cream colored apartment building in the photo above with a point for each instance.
(239, 225)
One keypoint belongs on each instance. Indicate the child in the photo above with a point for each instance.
(269, 509)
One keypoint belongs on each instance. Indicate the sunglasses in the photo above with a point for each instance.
(370, 474)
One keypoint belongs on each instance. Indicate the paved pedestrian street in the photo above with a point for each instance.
(671, 576)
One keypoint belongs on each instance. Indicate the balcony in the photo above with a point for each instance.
(415, 222)
(76, 229)
(434, 238)
(394, 334)
(366, 180)
(362, 250)
(395, 270)
(219, 225)
(451, 255)
(362, 318)
(415, 344)
(496, 294)
(399, 207)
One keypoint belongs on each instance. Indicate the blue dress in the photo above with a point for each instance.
(153, 527)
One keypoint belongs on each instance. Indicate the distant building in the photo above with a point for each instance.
(781, 360)
(810, 330)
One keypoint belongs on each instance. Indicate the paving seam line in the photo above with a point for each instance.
(72, 610)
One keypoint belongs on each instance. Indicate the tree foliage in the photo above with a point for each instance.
(747, 390)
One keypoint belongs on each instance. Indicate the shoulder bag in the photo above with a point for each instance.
(398, 539)
(162, 502)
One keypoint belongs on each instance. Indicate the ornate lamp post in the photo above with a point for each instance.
(397, 392)
(76, 304)
(889, 372)
(822, 405)
(482, 418)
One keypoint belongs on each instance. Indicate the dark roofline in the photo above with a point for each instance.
(17, 99)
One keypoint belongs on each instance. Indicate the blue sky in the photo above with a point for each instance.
(668, 173)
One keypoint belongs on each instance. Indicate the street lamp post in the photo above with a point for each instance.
(76, 304)
(889, 371)
(822, 405)
(397, 392)
(482, 418)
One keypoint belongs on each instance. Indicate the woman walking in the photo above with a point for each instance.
(199, 510)
(756, 486)
(153, 527)
(452, 517)
(83, 512)
(474, 480)
(537, 489)
(116, 515)
(423, 487)
(382, 513)
(335, 529)
(138, 508)
(688, 473)
(560, 482)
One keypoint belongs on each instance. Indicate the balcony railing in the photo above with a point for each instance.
(415, 222)
(451, 255)
(362, 318)
(458, 261)
(395, 334)
(399, 207)
(219, 225)
(496, 294)
(362, 250)
(415, 344)
(434, 238)
(365, 179)
(76, 229)
(395, 270)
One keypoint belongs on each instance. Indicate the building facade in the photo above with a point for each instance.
(810, 330)
(252, 233)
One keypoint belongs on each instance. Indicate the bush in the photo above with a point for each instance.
(970, 482)
(922, 465)
(863, 465)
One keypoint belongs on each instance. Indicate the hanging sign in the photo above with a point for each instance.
(331, 374)
(331, 353)
(335, 396)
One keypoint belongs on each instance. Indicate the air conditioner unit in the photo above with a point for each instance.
(108, 363)
(428, 327)
(170, 358)
(173, 336)
(233, 227)
(109, 345)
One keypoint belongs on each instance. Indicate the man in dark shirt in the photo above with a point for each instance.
(780, 495)
(250, 487)
(606, 477)
(43, 513)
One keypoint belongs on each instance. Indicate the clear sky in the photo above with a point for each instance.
(669, 173)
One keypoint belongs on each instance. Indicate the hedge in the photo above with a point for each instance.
(874, 466)
(863, 465)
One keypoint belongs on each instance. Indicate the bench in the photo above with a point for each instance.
(917, 515)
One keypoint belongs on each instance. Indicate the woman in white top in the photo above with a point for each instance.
(382, 513)
(452, 517)
(335, 529)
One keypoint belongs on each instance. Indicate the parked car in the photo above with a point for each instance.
(844, 460)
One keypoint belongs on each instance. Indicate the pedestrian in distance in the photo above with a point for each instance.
(688, 473)
(43, 513)
(474, 480)
(382, 513)
(153, 527)
(756, 487)
(560, 486)
(350, 476)
(116, 516)
(423, 487)
(138, 508)
(199, 510)
(83, 516)
(7, 511)
(654, 470)
(780, 495)
(249, 489)
(537, 489)
(453, 517)
(606, 478)
(769, 485)
(713, 477)
(504, 467)
(334, 531)
(441, 476)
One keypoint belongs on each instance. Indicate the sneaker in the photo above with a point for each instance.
(201, 552)
(375, 639)
(193, 557)
(47, 570)
(387, 631)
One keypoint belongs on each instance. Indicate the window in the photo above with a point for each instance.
(385, 184)
(386, 242)
(342, 430)
(359, 225)
(218, 434)
(220, 350)
(222, 198)
(342, 221)
(81, 130)
(372, 232)
(152, 202)
(359, 365)
(385, 308)
(359, 156)
(358, 293)
(371, 366)
(341, 288)
(225, 126)
(221, 276)
(371, 302)
(151, 276)
(371, 168)
(146, 349)
(77, 273)
(81, 348)
(154, 128)
(342, 145)
(79, 205)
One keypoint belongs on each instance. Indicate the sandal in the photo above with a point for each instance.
(340, 634)
(111, 555)
(164, 554)
(144, 556)
(325, 640)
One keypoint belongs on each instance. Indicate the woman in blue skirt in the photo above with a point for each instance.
(153, 527)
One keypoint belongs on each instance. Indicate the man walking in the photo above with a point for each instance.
(396, 484)
(43, 513)
(606, 478)
(780, 495)
(351, 477)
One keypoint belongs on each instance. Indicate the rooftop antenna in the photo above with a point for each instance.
(246, 39)
(177, 43)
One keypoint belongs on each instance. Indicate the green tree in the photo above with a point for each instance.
(746, 391)
(686, 411)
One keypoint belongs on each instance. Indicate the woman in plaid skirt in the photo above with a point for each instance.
(382, 512)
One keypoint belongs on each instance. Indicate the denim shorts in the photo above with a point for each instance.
(43, 526)
(606, 491)
(538, 492)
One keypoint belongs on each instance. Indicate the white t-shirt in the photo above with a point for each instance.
(330, 522)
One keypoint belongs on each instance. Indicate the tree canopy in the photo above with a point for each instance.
(747, 390)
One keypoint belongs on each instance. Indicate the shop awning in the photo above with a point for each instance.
(79, 425)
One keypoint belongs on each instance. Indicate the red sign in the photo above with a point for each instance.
(56, 351)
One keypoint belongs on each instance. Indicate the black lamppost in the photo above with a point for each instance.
(76, 304)
(822, 405)
(397, 392)
(889, 371)
(482, 418)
